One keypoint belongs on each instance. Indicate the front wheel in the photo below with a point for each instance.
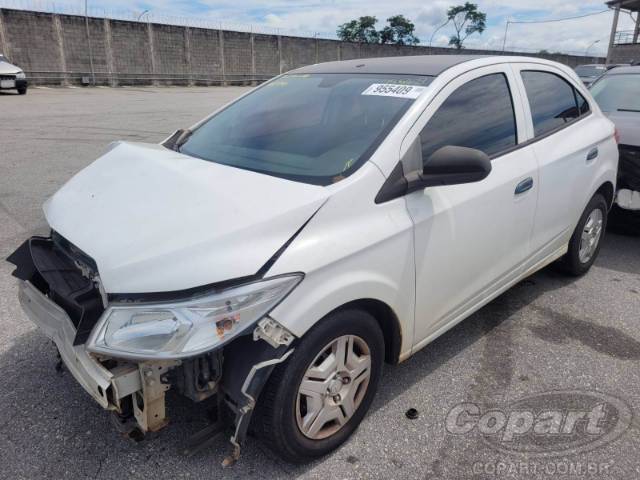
(316, 399)
(586, 240)
(22, 90)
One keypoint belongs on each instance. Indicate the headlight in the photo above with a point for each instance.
(186, 328)
(20, 76)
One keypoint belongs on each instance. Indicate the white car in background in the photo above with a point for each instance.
(345, 214)
(12, 77)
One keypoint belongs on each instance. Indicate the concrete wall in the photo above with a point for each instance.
(624, 53)
(55, 49)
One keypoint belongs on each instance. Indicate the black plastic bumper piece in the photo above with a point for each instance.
(249, 365)
(40, 261)
(629, 168)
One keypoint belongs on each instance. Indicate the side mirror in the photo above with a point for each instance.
(177, 138)
(447, 166)
(454, 166)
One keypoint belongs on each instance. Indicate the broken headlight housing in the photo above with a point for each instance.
(186, 328)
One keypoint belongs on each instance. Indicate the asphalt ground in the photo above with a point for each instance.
(577, 340)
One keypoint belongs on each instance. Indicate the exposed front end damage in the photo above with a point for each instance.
(60, 292)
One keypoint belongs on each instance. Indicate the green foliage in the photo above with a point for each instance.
(361, 30)
(399, 31)
(467, 20)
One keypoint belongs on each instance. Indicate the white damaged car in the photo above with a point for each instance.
(272, 257)
(12, 77)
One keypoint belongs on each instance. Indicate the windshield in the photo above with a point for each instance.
(313, 128)
(589, 70)
(618, 92)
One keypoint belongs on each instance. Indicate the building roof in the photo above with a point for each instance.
(632, 5)
(432, 65)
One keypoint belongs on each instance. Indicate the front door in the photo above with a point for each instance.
(471, 240)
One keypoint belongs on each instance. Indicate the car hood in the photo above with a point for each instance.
(8, 69)
(628, 125)
(155, 220)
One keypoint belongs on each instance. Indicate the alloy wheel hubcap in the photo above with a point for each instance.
(333, 387)
(591, 234)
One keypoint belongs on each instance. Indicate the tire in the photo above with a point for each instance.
(577, 262)
(22, 91)
(283, 412)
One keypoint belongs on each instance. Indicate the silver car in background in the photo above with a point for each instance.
(12, 77)
(590, 73)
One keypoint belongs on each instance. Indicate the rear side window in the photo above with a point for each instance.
(479, 114)
(553, 101)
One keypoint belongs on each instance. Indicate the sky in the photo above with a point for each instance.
(323, 17)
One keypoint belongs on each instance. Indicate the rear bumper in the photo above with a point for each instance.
(105, 387)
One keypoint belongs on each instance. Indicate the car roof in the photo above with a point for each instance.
(432, 65)
(623, 70)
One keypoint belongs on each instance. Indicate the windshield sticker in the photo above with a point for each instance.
(393, 90)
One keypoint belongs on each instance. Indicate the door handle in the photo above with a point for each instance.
(524, 186)
(593, 153)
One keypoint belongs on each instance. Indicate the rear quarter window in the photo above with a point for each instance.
(554, 102)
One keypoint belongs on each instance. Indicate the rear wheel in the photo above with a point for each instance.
(318, 397)
(586, 240)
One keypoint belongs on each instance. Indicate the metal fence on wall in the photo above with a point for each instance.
(150, 16)
(57, 44)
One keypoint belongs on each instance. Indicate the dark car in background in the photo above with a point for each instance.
(618, 94)
(590, 73)
(12, 77)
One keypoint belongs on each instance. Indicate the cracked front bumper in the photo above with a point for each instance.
(103, 385)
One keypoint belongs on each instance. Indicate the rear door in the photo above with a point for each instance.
(565, 139)
(471, 240)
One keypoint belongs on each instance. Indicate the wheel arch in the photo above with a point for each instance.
(607, 191)
(388, 321)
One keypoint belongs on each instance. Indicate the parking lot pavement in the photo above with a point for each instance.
(576, 339)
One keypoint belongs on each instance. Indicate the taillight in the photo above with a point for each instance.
(616, 135)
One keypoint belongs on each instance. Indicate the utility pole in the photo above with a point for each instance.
(86, 24)
(506, 29)
(586, 52)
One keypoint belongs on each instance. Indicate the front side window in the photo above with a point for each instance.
(479, 115)
(618, 92)
(313, 128)
(553, 101)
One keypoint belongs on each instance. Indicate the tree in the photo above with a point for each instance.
(361, 30)
(468, 19)
(399, 31)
